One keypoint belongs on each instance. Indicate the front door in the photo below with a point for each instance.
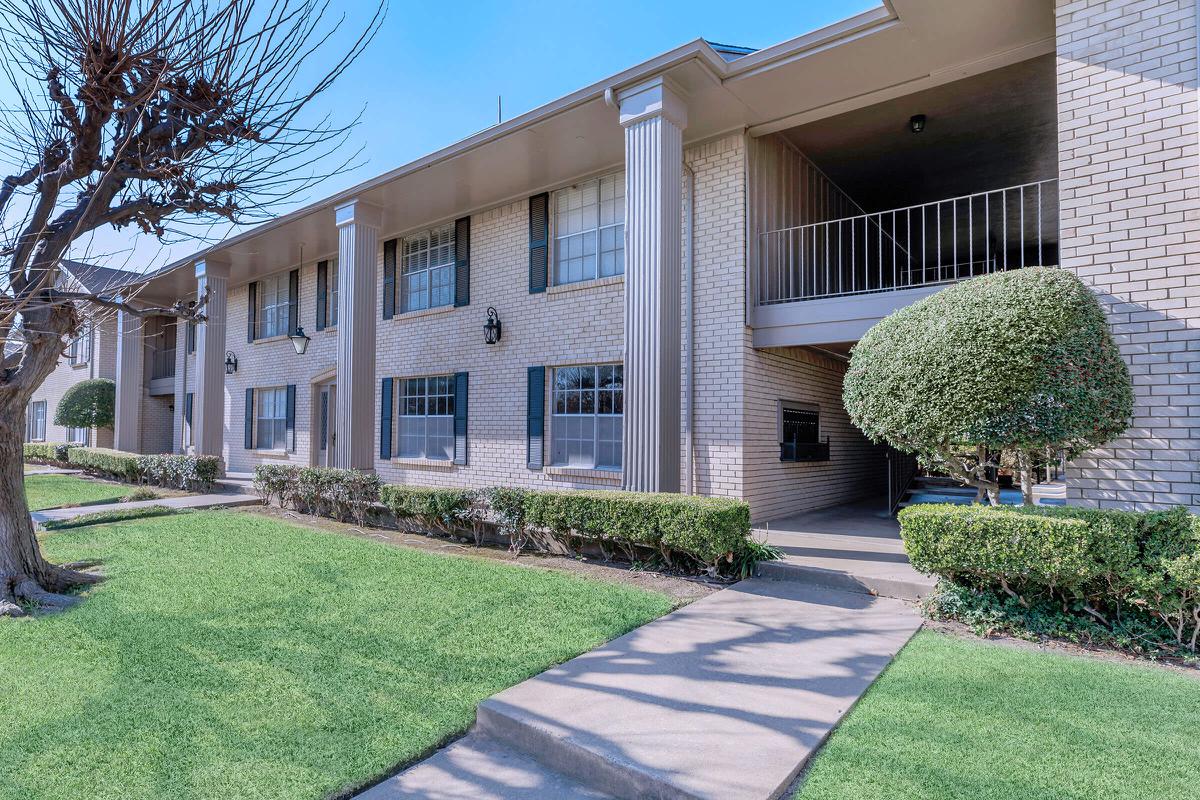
(326, 424)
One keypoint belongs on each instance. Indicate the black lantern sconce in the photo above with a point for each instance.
(300, 340)
(230, 362)
(491, 328)
(916, 123)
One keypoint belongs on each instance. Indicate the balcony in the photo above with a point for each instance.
(830, 281)
(162, 371)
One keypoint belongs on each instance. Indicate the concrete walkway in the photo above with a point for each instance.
(215, 500)
(854, 548)
(724, 699)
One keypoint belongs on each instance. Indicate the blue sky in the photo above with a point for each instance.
(432, 75)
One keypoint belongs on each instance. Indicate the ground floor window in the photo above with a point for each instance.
(77, 436)
(588, 414)
(799, 427)
(427, 417)
(270, 422)
(35, 422)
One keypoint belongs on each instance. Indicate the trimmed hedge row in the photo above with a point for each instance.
(55, 452)
(1107, 564)
(178, 471)
(685, 532)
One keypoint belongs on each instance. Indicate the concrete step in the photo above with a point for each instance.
(725, 699)
(896, 580)
(479, 767)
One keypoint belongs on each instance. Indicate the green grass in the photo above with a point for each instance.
(55, 491)
(231, 655)
(978, 721)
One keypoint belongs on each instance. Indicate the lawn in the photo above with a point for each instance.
(54, 491)
(952, 718)
(234, 655)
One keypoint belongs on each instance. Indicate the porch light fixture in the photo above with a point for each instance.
(916, 123)
(491, 328)
(230, 362)
(300, 340)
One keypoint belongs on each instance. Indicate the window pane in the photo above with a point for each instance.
(588, 230)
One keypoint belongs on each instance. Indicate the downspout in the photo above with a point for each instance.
(689, 434)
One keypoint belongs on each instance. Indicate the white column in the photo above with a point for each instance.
(654, 116)
(130, 363)
(208, 407)
(358, 225)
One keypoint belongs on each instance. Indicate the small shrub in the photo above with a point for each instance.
(346, 494)
(1113, 566)
(506, 510)
(271, 481)
(60, 452)
(191, 473)
(113, 463)
(140, 494)
(443, 510)
(53, 452)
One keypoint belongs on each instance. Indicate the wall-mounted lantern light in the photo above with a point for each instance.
(300, 340)
(230, 362)
(916, 123)
(491, 328)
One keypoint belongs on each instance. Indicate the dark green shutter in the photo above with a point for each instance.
(249, 441)
(293, 301)
(460, 418)
(322, 293)
(389, 279)
(190, 334)
(386, 407)
(539, 236)
(187, 408)
(291, 417)
(535, 404)
(252, 313)
(462, 261)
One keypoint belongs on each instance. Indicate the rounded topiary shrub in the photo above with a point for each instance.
(1015, 360)
(88, 404)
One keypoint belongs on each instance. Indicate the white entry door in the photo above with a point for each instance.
(326, 424)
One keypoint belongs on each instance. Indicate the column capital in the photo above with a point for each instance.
(657, 97)
(359, 212)
(214, 266)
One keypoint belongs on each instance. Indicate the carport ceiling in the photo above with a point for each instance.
(988, 131)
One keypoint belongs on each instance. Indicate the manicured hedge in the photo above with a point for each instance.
(178, 471)
(46, 451)
(1104, 563)
(114, 463)
(343, 493)
(437, 509)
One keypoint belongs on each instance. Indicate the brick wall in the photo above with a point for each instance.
(1130, 222)
(101, 365)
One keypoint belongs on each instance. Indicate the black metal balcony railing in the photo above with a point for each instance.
(162, 363)
(804, 451)
(904, 248)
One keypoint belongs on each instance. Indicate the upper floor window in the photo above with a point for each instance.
(270, 423)
(79, 351)
(427, 269)
(587, 423)
(273, 306)
(35, 422)
(427, 418)
(331, 293)
(589, 230)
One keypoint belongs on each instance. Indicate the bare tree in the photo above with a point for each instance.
(154, 114)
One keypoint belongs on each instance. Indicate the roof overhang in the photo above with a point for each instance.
(899, 47)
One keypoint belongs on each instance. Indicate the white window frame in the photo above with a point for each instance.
(79, 351)
(437, 429)
(331, 293)
(426, 269)
(277, 409)
(77, 436)
(591, 404)
(588, 224)
(273, 306)
(32, 420)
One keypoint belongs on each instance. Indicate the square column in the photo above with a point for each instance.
(208, 411)
(130, 363)
(358, 225)
(654, 116)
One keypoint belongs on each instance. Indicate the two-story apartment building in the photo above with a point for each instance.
(654, 283)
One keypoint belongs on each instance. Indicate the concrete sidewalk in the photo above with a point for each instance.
(215, 500)
(724, 699)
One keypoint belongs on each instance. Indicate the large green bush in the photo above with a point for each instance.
(113, 463)
(88, 404)
(346, 494)
(1019, 361)
(1107, 564)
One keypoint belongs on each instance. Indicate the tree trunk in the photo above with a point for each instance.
(1026, 463)
(25, 577)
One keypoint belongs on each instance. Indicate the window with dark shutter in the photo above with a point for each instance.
(539, 233)
(322, 294)
(290, 416)
(248, 442)
(252, 313)
(293, 321)
(460, 418)
(386, 410)
(535, 404)
(462, 261)
(389, 279)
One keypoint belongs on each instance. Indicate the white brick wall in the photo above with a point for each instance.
(66, 375)
(1130, 221)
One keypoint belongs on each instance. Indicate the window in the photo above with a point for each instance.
(270, 423)
(589, 230)
(587, 418)
(427, 278)
(273, 306)
(35, 422)
(77, 436)
(427, 418)
(799, 427)
(331, 294)
(79, 351)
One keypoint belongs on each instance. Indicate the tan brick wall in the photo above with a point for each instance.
(1130, 221)
(101, 365)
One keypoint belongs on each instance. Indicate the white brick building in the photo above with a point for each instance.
(681, 256)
